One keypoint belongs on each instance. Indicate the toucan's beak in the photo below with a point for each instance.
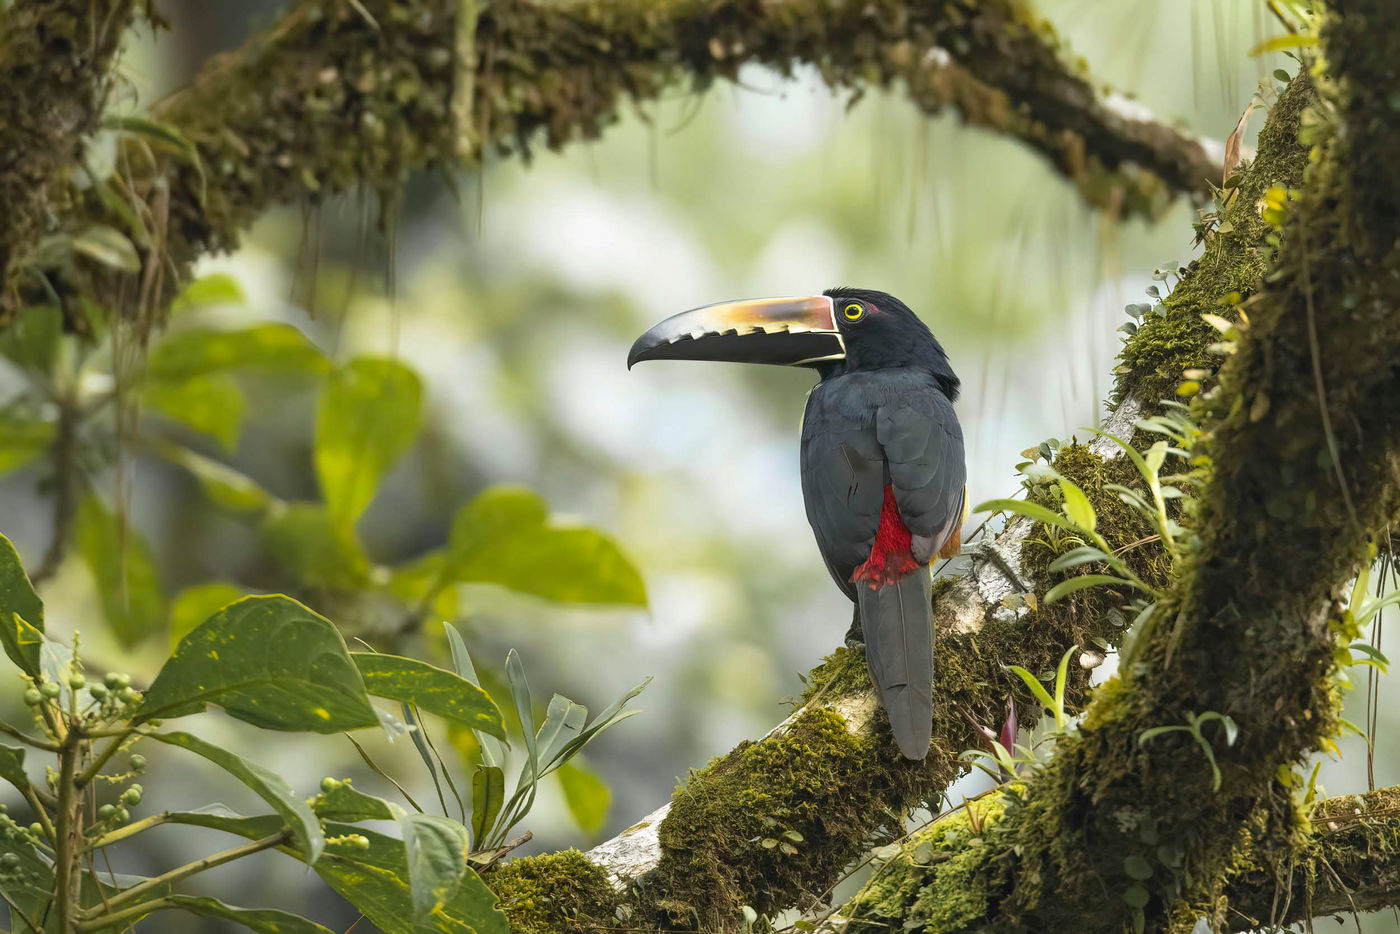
(786, 331)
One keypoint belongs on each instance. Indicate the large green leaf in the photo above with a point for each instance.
(268, 661)
(31, 337)
(215, 288)
(261, 920)
(194, 605)
(211, 403)
(22, 441)
(313, 549)
(21, 611)
(504, 536)
(366, 418)
(430, 688)
(128, 583)
(198, 351)
(436, 851)
(586, 794)
(376, 882)
(266, 784)
(221, 483)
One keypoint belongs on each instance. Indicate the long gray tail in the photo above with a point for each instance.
(898, 623)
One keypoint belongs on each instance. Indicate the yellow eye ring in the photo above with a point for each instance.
(853, 312)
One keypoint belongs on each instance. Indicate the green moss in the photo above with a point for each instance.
(553, 893)
(775, 821)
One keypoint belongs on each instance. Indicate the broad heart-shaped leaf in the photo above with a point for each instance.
(261, 920)
(211, 403)
(586, 794)
(376, 882)
(366, 418)
(12, 765)
(268, 785)
(430, 688)
(346, 803)
(268, 661)
(21, 611)
(121, 562)
(194, 605)
(504, 537)
(436, 851)
(198, 351)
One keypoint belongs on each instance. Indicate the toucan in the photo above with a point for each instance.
(884, 475)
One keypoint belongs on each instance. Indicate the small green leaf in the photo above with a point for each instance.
(1075, 584)
(1033, 684)
(271, 787)
(1137, 868)
(430, 688)
(268, 661)
(436, 851)
(21, 612)
(488, 795)
(31, 338)
(1085, 554)
(343, 802)
(22, 442)
(216, 288)
(505, 536)
(223, 485)
(366, 419)
(587, 796)
(211, 403)
(198, 351)
(195, 604)
(260, 920)
(1077, 506)
(124, 569)
(1029, 510)
(1136, 896)
(223, 818)
(108, 246)
(12, 766)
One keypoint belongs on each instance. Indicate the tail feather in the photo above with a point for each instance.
(897, 620)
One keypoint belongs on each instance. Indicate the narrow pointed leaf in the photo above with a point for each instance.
(260, 920)
(488, 795)
(429, 688)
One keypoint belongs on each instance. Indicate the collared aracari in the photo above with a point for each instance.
(883, 470)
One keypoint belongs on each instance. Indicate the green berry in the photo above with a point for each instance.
(122, 815)
(49, 689)
(37, 829)
(329, 784)
(98, 691)
(32, 697)
(128, 696)
(77, 682)
(112, 680)
(9, 860)
(106, 811)
(131, 797)
(138, 763)
(361, 841)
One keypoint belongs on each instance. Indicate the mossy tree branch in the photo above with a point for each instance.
(340, 95)
(55, 60)
(1305, 443)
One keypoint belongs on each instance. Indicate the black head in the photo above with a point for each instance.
(881, 332)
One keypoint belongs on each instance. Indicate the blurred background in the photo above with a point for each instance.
(515, 292)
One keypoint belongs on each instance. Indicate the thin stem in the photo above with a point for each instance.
(65, 835)
(31, 794)
(130, 830)
(16, 733)
(64, 454)
(181, 872)
(111, 919)
(92, 771)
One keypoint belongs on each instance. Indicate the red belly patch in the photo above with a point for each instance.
(891, 557)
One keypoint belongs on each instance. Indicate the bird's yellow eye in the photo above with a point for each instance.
(853, 311)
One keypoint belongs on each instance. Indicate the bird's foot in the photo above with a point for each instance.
(855, 636)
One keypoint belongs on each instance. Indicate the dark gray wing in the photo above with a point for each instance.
(923, 446)
(843, 483)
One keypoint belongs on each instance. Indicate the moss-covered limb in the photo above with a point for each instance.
(55, 62)
(1350, 862)
(563, 69)
(1249, 629)
(340, 95)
